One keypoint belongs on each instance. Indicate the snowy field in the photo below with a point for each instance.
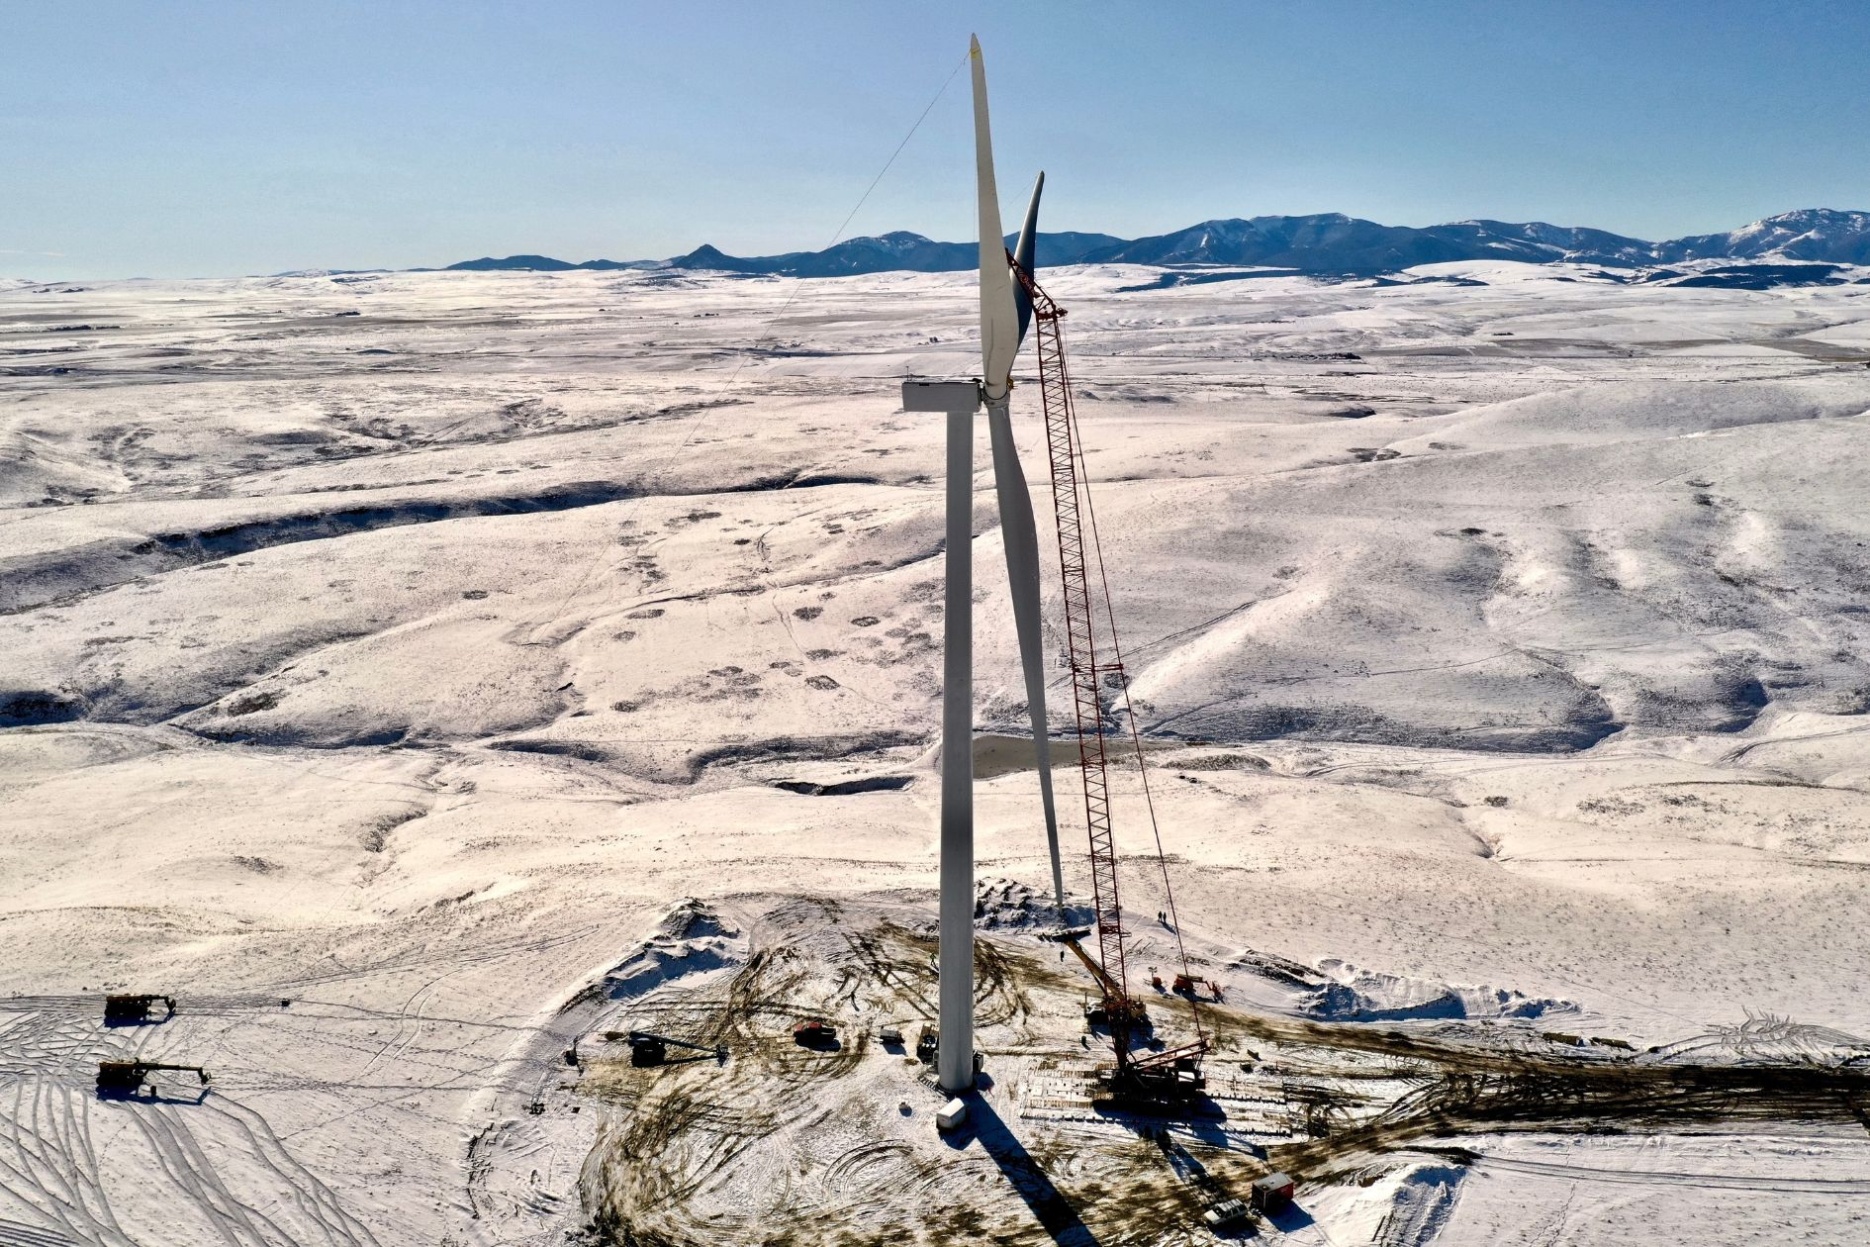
(383, 656)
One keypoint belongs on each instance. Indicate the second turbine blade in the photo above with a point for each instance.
(1020, 536)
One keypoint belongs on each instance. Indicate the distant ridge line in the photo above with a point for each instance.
(1320, 243)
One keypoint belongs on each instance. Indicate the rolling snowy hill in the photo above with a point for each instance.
(385, 657)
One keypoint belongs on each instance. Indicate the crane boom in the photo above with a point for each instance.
(1081, 640)
(1096, 664)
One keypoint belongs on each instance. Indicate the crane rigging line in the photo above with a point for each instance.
(850, 216)
(1136, 737)
(662, 467)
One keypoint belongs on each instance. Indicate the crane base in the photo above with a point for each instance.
(1158, 1092)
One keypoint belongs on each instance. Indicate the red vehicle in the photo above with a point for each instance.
(815, 1034)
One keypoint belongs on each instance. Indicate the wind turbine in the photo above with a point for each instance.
(1003, 320)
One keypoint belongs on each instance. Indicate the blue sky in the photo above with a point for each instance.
(197, 138)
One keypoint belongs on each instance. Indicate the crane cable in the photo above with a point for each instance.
(660, 472)
(1142, 767)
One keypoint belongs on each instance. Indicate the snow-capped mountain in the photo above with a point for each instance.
(1823, 234)
(1319, 243)
(1334, 242)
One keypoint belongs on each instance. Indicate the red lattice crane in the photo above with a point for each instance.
(1096, 659)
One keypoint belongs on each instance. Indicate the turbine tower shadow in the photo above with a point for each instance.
(1049, 1206)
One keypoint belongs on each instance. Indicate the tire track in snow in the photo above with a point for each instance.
(1644, 1177)
(316, 1200)
(47, 1176)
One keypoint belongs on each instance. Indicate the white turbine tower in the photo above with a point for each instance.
(1001, 328)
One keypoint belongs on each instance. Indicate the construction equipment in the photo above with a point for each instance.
(928, 1051)
(1171, 1079)
(1191, 988)
(647, 1049)
(123, 1079)
(133, 1010)
(1114, 1000)
(815, 1034)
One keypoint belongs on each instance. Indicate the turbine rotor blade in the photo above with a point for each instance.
(1020, 537)
(1023, 253)
(999, 319)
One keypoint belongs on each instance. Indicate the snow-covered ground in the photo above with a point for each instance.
(384, 655)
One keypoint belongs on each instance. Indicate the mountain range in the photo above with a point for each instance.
(1320, 243)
